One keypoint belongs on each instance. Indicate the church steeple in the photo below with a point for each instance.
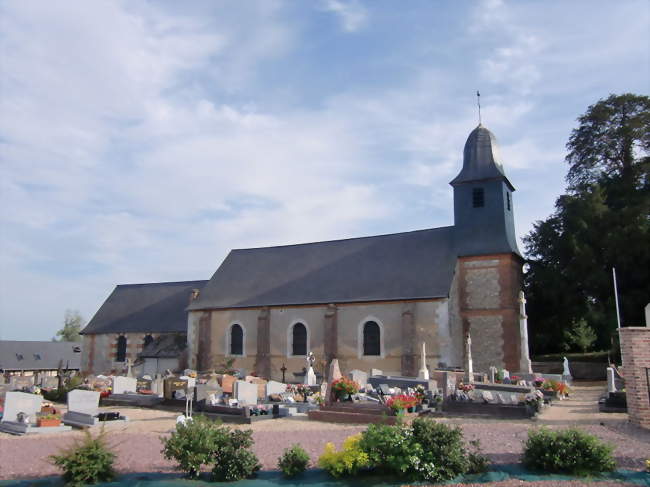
(483, 207)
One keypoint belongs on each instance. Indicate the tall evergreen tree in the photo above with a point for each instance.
(603, 221)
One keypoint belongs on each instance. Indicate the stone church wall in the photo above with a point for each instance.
(333, 331)
(100, 351)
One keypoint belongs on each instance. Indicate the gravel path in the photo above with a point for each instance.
(138, 445)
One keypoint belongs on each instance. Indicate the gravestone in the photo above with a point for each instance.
(261, 386)
(384, 389)
(334, 370)
(359, 376)
(245, 392)
(448, 384)
(124, 385)
(227, 383)
(273, 387)
(611, 384)
(374, 372)
(21, 402)
(82, 408)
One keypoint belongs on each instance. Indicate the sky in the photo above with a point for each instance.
(140, 141)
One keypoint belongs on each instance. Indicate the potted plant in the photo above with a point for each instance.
(46, 420)
(344, 389)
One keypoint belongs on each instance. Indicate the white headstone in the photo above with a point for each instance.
(86, 402)
(374, 372)
(21, 402)
(310, 377)
(122, 385)
(245, 392)
(274, 387)
(423, 373)
(359, 376)
(611, 384)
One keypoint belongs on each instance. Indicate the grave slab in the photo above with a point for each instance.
(245, 392)
(123, 385)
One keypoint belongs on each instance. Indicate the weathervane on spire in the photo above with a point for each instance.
(478, 100)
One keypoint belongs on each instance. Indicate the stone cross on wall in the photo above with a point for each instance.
(524, 361)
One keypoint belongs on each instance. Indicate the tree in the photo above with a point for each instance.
(603, 221)
(72, 325)
(582, 336)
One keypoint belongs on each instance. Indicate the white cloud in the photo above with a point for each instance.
(352, 13)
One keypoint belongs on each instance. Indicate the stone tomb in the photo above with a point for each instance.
(29, 405)
(245, 393)
(273, 387)
(82, 408)
(124, 385)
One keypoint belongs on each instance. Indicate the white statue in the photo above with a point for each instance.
(566, 371)
(424, 372)
(469, 365)
(310, 376)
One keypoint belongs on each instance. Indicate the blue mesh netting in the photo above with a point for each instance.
(319, 478)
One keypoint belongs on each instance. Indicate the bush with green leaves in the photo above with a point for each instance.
(293, 461)
(443, 452)
(391, 449)
(232, 455)
(87, 461)
(570, 451)
(348, 461)
(191, 445)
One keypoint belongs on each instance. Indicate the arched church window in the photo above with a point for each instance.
(371, 338)
(121, 349)
(236, 340)
(299, 339)
(478, 198)
(147, 340)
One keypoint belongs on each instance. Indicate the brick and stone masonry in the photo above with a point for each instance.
(635, 350)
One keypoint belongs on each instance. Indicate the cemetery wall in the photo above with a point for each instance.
(635, 351)
(429, 323)
(489, 287)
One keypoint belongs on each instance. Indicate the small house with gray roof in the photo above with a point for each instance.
(135, 318)
(371, 302)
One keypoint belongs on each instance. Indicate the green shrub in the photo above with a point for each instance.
(349, 461)
(232, 457)
(569, 451)
(443, 454)
(478, 462)
(390, 449)
(87, 461)
(293, 461)
(191, 445)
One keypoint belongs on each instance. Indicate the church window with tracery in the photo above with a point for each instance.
(299, 339)
(121, 349)
(236, 340)
(371, 338)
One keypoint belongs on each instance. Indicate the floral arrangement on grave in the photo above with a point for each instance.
(300, 389)
(48, 408)
(402, 402)
(515, 378)
(420, 393)
(105, 393)
(44, 420)
(500, 375)
(465, 387)
(535, 400)
(318, 399)
(343, 388)
(539, 382)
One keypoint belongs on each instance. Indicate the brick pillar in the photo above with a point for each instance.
(330, 329)
(409, 341)
(635, 351)
(263, 359)
(204, 351)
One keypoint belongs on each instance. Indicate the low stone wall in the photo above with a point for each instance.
(635, 351)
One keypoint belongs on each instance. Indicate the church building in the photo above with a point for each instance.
(370, 302)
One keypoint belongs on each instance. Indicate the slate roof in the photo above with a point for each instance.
(27, 355)
(410, 265)
(165, 346)
(481, 160)
(141, 308)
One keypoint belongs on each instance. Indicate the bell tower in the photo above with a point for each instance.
(483, 205)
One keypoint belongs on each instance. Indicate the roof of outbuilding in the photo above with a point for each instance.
(481, 159)
(409, 265)
(143, 308)
(27, 355)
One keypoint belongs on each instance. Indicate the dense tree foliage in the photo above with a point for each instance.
(72, 325)
(603, 221)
